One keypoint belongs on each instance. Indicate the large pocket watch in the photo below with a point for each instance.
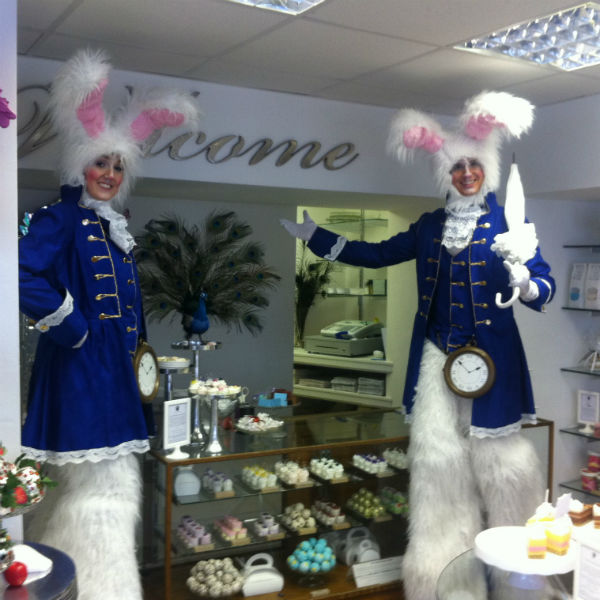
(470, 372)
(146, 369)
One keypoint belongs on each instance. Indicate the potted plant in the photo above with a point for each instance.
(311, 278)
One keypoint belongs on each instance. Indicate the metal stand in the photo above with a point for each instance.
(198, 436)
(214, 446)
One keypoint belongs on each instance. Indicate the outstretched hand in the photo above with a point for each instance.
(304, 230)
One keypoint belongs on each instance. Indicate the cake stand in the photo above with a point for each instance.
(198, 437)
(506, 548)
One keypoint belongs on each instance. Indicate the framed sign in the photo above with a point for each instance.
(176, 426)
(588, 409)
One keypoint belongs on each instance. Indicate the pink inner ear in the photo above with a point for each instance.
(152, 119)
(481, 126)
(90, 112)
(421, 137)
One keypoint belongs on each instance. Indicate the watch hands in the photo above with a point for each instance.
(463, 366)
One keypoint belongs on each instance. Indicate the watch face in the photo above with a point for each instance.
(470, 372)
(147, 374)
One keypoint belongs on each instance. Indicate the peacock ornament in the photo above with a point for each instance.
(202, 272)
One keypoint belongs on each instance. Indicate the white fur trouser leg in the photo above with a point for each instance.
(509, 477)
(444, 502)
(91, 516)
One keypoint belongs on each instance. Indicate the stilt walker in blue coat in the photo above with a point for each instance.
(79, 283)
(470, 468)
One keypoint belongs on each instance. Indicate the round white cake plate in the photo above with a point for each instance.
(184, 363)
(506, 548)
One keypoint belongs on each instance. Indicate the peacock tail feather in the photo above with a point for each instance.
(177, 263)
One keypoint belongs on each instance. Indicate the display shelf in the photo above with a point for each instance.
(576, 486)
(592, 247)
(338, 587)
(350, 295)
(342, 365)
(594, 311)
(340, 434)
(306, 391)
(357, 363)
(577, 431)
(580, 371)
(354, 226)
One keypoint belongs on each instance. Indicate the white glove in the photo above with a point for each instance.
(518, 276)
(304, 230)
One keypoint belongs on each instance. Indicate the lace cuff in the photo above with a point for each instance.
(58, 316)
(336, 248)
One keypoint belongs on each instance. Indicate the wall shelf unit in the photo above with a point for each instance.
(329, 366)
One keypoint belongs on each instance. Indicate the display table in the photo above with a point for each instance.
(59, 584)
(468, 577)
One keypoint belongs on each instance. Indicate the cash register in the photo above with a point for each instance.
(346, 338)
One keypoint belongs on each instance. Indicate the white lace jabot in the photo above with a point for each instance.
(461, 219)
(118, 223)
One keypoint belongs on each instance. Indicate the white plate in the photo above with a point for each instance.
(181, 363)
(506, 548)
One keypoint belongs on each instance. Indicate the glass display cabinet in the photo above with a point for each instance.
(303, 440)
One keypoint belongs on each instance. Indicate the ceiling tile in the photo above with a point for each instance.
(122, 57)
(445, 21)
(231, 73)
(202, 28)
(454, 73)
(380, 52)
(349, 91)
(324, 50)
(40, 15)
(556, 88)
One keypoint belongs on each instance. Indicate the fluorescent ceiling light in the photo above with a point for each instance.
(569, 39)
(289, 7)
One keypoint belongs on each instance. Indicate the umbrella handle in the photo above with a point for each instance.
(511, 301)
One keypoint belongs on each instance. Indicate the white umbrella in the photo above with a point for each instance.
(518, 244)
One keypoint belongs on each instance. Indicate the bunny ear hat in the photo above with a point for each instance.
(86, 131)
(485, 122)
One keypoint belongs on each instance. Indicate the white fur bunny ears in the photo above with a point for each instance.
(486, 120)
(86, 132)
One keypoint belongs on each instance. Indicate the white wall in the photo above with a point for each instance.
(558, 338)
(256, 114)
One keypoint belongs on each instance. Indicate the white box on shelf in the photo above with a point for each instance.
(592, 286)
(577, 285)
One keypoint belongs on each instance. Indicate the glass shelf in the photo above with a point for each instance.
(302, 432)
(577, 432)
(590, 310)
(354, 225)
(576, 486)
(581, 371)
(334, 295)
(592, 247)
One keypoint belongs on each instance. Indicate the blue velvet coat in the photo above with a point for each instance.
(83, 402)
(482, 274)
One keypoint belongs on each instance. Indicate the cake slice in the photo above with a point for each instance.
(580, 513)
(596, 515)
(558, 535)
(536, 541)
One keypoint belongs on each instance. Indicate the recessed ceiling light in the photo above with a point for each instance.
(289, 7)
(568, 40)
